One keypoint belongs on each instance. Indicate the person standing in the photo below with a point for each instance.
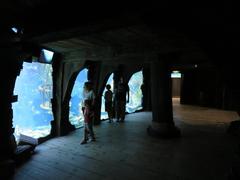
(108, 95)
(88, 122)
(121, 97)
(88, 104)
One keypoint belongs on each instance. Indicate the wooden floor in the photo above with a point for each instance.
(125, 151)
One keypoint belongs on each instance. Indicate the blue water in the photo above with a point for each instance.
(135, 93)
(75, 114)
(32, 113)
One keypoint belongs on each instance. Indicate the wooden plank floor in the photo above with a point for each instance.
(125, 151)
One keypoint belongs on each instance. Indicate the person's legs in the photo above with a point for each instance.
(108, 109)
(118, 111)
(111, 111)
(109, 116)
(122, 110)
(85, 134)
(90, 127)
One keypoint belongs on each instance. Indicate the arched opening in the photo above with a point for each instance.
(135, 93)
(104, 114)
(75, 106)
(32, 113)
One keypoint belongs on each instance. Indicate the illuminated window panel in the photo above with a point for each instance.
(176, 74)
(46, 56)
(32, 113)
(104, 114)
(135, 93)
(75, 113)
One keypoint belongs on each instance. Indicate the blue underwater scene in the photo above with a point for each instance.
(32, 113)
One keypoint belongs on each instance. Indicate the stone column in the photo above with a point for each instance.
(56, 129)
(147, 104)
(94, 76)
(162, 114)
(10, 69)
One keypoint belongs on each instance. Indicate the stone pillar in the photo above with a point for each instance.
(9, 49)
(94, 76)
(162, 114)
(56, 129)
(147, 104)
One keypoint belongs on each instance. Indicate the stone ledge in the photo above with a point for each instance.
(23, 152)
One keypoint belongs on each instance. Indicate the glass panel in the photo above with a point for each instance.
(175, 74)
(104, 114)
(75, 113)
(32, 113)
(46, 56)
(135, 93)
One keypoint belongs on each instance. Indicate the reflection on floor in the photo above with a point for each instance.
(125, 151)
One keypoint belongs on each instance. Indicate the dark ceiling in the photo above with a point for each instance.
(41, 16)
(67, 26)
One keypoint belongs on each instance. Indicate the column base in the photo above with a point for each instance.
(163, 130)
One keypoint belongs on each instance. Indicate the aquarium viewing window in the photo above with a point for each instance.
(104, 114)
(32, 113)
(135, 93)
(75, 113)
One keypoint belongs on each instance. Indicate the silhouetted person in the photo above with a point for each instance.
(108, 95)
(121, 91)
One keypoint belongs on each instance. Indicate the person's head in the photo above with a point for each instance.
(108, 86)
(88, 86)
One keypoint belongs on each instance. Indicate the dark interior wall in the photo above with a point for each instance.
(197, 87)
(188, 88)
(231, 87)
(208, 87)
